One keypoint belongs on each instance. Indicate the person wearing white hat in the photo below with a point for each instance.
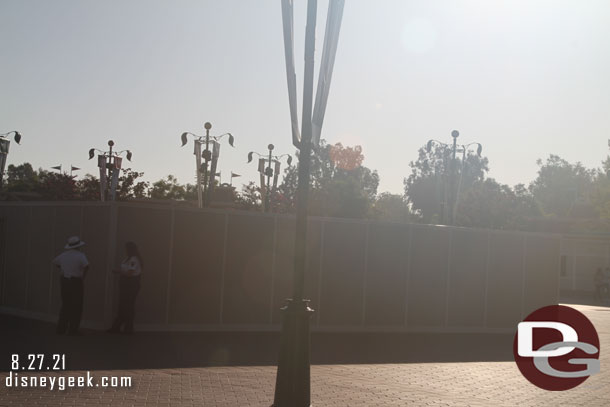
(73, 265)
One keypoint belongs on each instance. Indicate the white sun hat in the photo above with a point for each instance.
(74, 242)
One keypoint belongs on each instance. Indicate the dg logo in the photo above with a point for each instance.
(556, 348)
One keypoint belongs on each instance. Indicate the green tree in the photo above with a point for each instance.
(57, 187)
(250, 197)
(167, 188)
(129, 186)
(392, 207)
(428, 187)
(22, 178)
(47, 185)
(40, 184)
(340, 185)
(88, 188)
(489, 204)
(560, 185)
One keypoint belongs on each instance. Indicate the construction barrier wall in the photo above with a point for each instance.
(232, 270)
(581, 257)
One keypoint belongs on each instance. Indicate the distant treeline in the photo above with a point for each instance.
(564, 197)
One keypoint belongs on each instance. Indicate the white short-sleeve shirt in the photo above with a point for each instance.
(72, 263)
(131, 264)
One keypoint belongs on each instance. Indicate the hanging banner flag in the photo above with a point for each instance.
(73, 168)
(261, 170)
(114, 183)
(101, 163)
(215, 149)
(4, 144)
(291, 76)
(198, 172)
(57, 168)
(329, 51)
(215, 155)
(263, 191)
(116, 169)
(276, 173)
(2, 164)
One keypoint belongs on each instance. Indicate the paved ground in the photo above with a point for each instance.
(347, 371)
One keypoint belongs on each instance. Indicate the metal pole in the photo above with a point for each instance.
(109, 169)
(268, 171)
(206, 199)
(3, 159)
(452, 194)
(446, 193)
(293, 382)
(305, 151)
(459, 185)
(198, 172)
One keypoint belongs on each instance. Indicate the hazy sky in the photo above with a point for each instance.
(524, 78)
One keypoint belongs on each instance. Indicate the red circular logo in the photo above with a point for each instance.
(556, 348)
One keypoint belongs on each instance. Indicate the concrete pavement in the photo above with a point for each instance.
(482, 376)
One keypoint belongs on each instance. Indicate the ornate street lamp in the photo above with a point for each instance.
(109, 163)
(455, 192)
(265, 170)
(292, 386)
(4, 147)
(203, 198)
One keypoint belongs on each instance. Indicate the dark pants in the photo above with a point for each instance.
(71, 305)
(128, 291)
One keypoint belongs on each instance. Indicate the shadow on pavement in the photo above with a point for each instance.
(96, 350)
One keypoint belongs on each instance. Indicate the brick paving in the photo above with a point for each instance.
(438, 384)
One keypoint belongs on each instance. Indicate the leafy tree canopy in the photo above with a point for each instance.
(340, 185)
(560, 185)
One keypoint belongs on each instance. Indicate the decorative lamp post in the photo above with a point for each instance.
(265, 170)
(203, 197)
(4, 147)
(292, 386)
(454, 192)
(109, 163)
